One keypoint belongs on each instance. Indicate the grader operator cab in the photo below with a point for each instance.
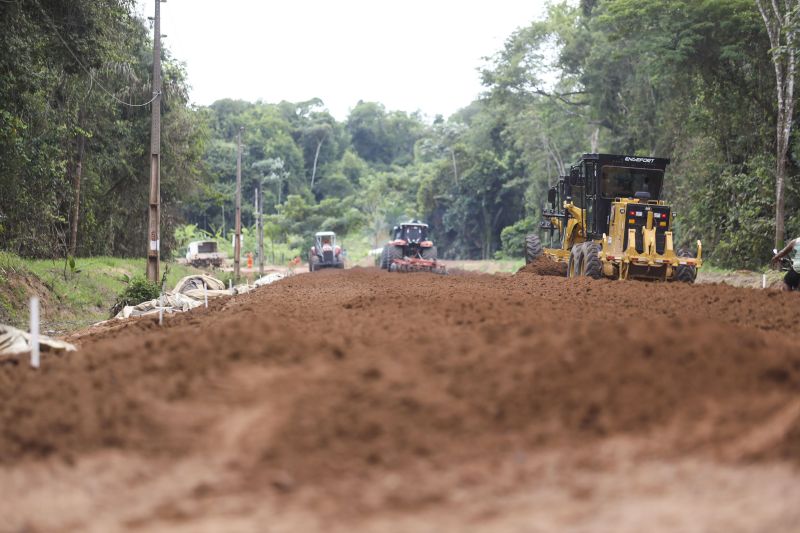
(607, 219)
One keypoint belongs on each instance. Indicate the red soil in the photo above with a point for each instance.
(368, 400)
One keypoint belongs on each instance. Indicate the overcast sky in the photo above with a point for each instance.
(409, 54)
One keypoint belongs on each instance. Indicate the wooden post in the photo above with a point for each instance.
(154, 219)
(237, 245)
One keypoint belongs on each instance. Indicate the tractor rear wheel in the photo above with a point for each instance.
(429, 254)
(313, 263)
(685, 273)
(591, 265)
(533, 247)
(385, 257)
(575, 260)
(394, 252)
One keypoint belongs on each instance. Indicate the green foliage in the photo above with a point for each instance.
(56, 118)
(513, 238)
(137, 290)
(381, 137)
(189, 233)
(10, 264)
(78, 299)
(732, 212)
(685, 79)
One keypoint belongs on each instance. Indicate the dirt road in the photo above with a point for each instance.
(365, 401)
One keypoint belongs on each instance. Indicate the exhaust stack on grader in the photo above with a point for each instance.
(607, 219)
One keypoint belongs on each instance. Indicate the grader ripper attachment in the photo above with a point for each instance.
(606, 219)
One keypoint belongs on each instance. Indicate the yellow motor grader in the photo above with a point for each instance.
(607, 219)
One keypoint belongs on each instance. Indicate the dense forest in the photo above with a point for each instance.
(692, 80)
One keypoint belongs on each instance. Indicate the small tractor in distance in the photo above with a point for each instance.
(606, 219)
(325, 253)
(410, 250)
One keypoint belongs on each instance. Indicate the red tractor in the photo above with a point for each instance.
(410, 250)
(325, 253)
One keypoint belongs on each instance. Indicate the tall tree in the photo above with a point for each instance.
(77, 172)
(781, 20)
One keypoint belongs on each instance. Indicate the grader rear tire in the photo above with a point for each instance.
(533, 247)
(575, 260)
(685, 273)
(591, 265)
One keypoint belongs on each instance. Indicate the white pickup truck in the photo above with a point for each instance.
(204, 253)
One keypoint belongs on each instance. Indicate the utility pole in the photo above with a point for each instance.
(154, 218)
(237, 246)
(260, 225)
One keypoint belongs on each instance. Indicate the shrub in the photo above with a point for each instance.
(138, 289)
(513, 238)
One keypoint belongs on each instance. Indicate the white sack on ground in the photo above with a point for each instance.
(269, 278)
(171, 303)
(14, 341)
(195, 281)
(190, 293)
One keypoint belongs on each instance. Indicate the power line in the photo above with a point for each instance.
(92, 77)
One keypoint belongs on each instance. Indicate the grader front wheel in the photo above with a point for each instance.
(685, 273)
(591, 265)
(575, 260)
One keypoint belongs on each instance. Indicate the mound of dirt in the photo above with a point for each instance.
(16, 289)
(544, 266)
(486, 361)
(369, 391)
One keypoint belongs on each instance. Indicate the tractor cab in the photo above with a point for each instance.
(326, 238)
(410, 232)
(410, 249)
(413, 232)
(325, 253)
(412, 236)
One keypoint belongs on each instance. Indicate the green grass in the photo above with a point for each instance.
(12, 294)
(96, 280)
(711, 269)
(79, 297)
(10, 264)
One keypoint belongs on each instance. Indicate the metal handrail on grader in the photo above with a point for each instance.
(606, 219)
